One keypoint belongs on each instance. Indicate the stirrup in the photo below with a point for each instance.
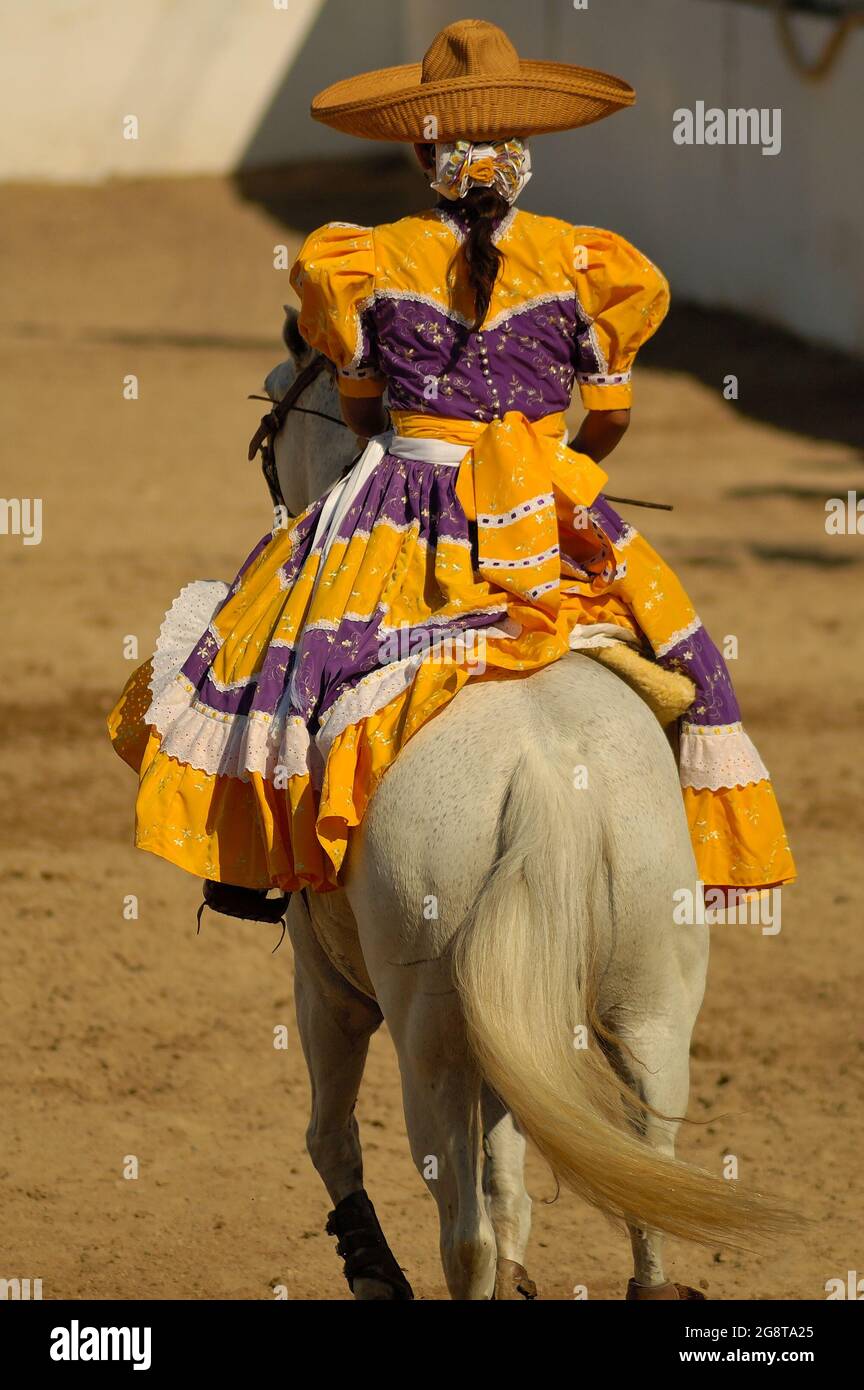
(249, 904)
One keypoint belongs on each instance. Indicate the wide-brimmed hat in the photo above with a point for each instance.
(471, 85)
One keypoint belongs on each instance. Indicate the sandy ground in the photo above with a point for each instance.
(137, 1038)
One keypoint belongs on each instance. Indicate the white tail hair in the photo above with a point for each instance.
(526, 965)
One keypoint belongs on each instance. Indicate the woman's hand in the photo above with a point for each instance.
(599, 433)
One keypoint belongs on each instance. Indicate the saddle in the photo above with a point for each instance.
(666, 693)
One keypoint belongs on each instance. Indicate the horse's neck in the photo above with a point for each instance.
(311, 453)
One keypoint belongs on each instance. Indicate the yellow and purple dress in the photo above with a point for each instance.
(272, 708)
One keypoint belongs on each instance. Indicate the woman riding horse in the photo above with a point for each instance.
(259, 746)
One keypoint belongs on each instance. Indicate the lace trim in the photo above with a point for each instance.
(585, 636)
(524, 307)
(351, 616)
(588, 323)
(191, 732)
(713, 757)
(321, 625)
(447, 621)
(710, 730)
(377, 689)
(503, 228)
(503, 316)
(450, 223)
(418, 297)
(359, 333)
(680, 636)
(362, 534)
(464, 541)
(238, 745)
(628, 532)
(359, 308)
(185, 622)
(459, 232)
(230, 745)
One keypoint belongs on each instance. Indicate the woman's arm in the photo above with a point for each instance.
(599, 433)
(365, 415)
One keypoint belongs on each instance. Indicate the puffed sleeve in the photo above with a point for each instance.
(334, 276)
(622, 299)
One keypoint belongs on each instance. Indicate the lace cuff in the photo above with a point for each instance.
(715, 756)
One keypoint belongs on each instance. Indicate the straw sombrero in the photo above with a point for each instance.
(475, 86)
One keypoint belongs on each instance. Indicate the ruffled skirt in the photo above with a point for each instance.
(271, 708)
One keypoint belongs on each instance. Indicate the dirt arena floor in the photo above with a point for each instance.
(137, 1037)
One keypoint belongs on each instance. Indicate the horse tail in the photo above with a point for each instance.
(526, 967)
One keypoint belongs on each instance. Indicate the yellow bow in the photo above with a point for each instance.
(529, 495)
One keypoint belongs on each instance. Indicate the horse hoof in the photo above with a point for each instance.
(644, 1293)
(512, 1281)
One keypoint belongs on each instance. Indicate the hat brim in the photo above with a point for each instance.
(393, 103)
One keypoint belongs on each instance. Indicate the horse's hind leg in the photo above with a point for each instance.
(441, 1088)
(656, 1062)
(336, 1022)
(507, 1200)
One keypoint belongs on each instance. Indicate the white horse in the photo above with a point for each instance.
(512, 923)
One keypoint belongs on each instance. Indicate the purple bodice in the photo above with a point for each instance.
(526, 362)
(526, 357)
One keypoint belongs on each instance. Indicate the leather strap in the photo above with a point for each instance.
(363, 1247)
(263, 439)
(249, 904)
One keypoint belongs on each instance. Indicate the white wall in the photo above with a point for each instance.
(217, 83)
(204, 77)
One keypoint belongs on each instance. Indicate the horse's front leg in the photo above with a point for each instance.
(507, 1200)
(336, 1022)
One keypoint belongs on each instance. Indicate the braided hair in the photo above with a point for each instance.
(481, 209)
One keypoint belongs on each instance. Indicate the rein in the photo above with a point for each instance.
(306, 410)
(263, 439)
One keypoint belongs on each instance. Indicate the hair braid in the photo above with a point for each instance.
(481, 208)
